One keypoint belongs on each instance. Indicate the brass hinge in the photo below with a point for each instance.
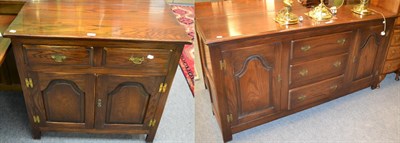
(163, 87)
(152, 122)
(222, 64)
(229, 118)
(36, 119)
(279, 78)
(28, 82)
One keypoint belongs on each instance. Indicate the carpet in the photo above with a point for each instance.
(185, 16)
(366, 116)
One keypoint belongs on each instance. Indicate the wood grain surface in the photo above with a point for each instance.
(144, 20)
(229, 20)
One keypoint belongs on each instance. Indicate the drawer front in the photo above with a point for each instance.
(58, 55)
(140, 59)
(394, 53)
(396, 38)
(391, 66)
(317, 70)
(321, 46)
(309, 94)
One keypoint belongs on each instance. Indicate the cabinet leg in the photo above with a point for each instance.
(375, 86)
(227, 137)
(150, 138)
(36, 134)
(397, 76)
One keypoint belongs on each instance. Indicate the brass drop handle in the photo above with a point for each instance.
(303, 72)
(337, 64)
(334, 87)
(99, 103)
(136, 60)
(58, 58)
(389, 66)
(341, 41)
(301, 98)
(305, 48)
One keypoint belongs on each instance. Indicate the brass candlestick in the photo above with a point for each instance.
(285, 16)
(320, 12)
(362, 8)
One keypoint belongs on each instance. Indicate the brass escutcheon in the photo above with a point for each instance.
(136, 60)
(305, 48)
(334, 87)
(58, 58)
(337, 64)
(301, 98)
(303, 72)
(341, 41)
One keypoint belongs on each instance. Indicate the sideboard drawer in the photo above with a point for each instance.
(58, 55)
(391, 66)
(135, 58)
(393, 53)
(395, 38)
(317, 70)
(313, 93)
(320, 46)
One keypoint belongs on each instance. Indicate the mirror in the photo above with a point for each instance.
(336, 3)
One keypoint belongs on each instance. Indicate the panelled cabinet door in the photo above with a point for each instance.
(252, 81)
(63, 100)
(126, 102)
(366, 53)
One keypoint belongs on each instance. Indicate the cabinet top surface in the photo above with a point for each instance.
(229, 20)
(143, 20)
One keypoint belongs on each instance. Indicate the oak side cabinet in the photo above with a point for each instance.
(108, 69)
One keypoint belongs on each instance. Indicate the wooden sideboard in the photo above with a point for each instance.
(96, 68)
(392, 61)
(257, 70)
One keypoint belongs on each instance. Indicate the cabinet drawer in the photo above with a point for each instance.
(391, 66)
(317, 70)
(58, 55)
(321, 46)
(140, 59)
(396, 38)
(315, 92)
(393, 53)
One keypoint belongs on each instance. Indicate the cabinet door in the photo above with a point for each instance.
(252, 81)
(64, 100)
(126, 102)
(366, 53)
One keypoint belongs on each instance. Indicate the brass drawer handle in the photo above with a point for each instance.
(389, 66)
(341, 41)
(337, 64)
(136, 60)
(99, 103)
(301, 98)
(334, 87)
(306, 48)
(58, 58)
(303, 72)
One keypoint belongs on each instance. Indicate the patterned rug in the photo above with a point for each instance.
(185, 16)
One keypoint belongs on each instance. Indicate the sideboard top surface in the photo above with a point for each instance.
(143, 20)
(228, 20)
